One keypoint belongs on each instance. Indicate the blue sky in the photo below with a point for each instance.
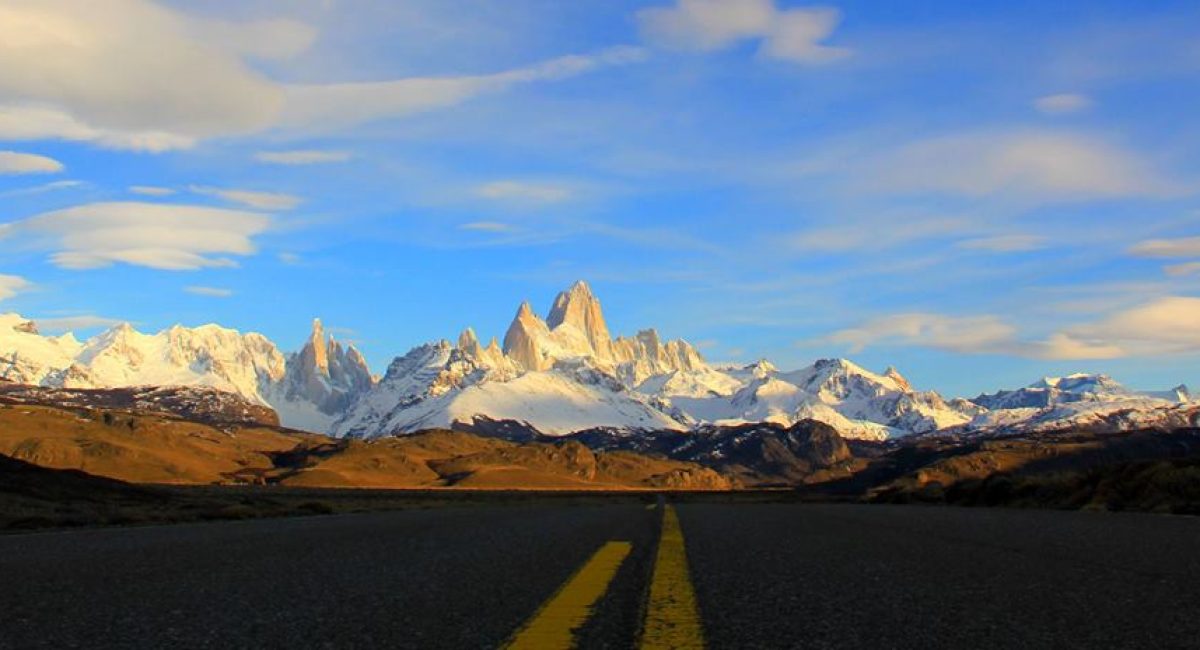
(978, 193)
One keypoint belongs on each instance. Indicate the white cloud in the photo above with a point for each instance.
(1062, 104)
(138, 75)
(956, 333)
(872, 235)
(331, 106)
(11, 285)
(796, 36)
(1186, 268)
(1181, 247)
(13, 162)
(523, 192)
(487, 226)
(250, 198)
(1028, 164)
(1004, 243)
(1167, 325)
(1163, 326)
(73, 323)
(155, 235)
(151, 190)
(42, 123)
(301, 157)
(129, 66)
(211, 292)
(274, 39)
(289, 258)
(705, 25)
(985, 334)
(53, 186)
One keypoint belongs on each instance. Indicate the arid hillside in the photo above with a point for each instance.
(159, 447)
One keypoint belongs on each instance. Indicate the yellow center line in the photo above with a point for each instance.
(672, 619)
(554, 625)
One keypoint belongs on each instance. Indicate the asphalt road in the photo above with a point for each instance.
(764, 575)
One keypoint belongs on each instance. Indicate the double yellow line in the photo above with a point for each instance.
(672, 619)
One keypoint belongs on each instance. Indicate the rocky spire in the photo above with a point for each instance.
(326, 373)
(578, 307)
(315, 351)
(469, 343)
(521, 340)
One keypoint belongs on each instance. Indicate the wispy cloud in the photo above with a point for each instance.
(523, 192)
(1062, 104)
(74, 323)
(487, 226)
(1166, 325)
(251, 198)
(14, 162)
(794, 35)
(211, 292)
(1004, 243)
(11, 285)
(302, 157)
(151, 190)
(871, 234)
(332, 106)
(53, 186)
(1181, 247)
(1033, 164)
(985, 334)
(154, 235)
(1179, 270)
(120, 85)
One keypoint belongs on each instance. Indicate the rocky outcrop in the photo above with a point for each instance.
(575, 329)
(327, 374)
(522, 342)
(577, 307)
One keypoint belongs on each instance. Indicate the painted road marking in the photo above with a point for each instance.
(672, 619)
(554, 625)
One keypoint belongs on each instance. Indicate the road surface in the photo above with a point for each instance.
(727, 576)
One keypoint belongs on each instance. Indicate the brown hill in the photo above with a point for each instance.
(158, 447)
(1143, 470)
(760, 454)
(456, 459)
(139, 448)
(194, 403)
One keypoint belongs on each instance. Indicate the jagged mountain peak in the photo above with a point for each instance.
(525, 311)
(321, 381)
(469, 342)
(901, 380)
(521, 342)
(1079, 382)
(578, 307)
(315, 351)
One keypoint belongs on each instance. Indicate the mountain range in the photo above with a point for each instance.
(560, 375)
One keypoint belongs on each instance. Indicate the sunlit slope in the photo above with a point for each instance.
(154, 448)
(139, 448)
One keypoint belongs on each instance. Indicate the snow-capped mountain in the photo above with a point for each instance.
(1051, 391)
(566, 373)
(320, 383)
(558, 375)
(209, 355)
(856, 401)
(307, 390)
(1081, 400)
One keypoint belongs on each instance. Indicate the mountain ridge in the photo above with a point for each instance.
(557, 375)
